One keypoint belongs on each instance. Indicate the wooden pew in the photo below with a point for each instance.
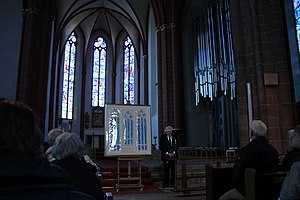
(261, 186)
(184, 179)
(218, 180)
(258, 186)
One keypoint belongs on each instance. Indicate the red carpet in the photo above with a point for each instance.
(147, 189)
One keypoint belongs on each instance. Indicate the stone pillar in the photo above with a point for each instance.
(169, 64)
(34, 56)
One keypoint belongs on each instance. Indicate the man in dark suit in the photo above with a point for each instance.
(167, 146)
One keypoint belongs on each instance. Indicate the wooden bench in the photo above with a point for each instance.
(258, 186)
(263, 185)
(184, 178)
(218, 180)
(188, 190)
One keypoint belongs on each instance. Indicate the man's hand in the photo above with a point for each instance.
(171, 154)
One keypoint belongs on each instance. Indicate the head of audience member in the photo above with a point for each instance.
(294, 138)
(258, 128)
(169, 130)
(53, 134)
(19, 131)
(290, 134)
(67, 145)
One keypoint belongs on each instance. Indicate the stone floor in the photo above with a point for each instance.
(154, 162)
(159, 196)
(166, 194)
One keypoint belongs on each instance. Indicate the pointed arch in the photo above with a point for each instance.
(99, 72)
(128, 69)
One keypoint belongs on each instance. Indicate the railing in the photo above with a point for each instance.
(188, 156)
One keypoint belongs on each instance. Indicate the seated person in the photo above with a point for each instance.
(257, 154)
(52, 135)
(67, 153)
(25, 173)
(87, 161)
(293, 150)
(291, 185)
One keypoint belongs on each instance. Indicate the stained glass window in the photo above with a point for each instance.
(297, 19)
(128, 71)
(68, 78)
(99, 66)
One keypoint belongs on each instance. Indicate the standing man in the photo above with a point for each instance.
(167, 146)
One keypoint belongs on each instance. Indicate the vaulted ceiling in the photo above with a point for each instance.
(110, 16)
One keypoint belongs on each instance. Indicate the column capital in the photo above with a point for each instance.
(168, 26)
(38, 12)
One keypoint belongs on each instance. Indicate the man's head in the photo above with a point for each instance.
(169, 130)
(19, 132)
(294, 138)
(258, 128)
(53, 134)
(67, 145)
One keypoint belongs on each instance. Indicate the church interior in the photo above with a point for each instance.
(205, 67)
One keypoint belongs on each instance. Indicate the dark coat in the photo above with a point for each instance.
(165, 146)
(23, 177)
(257, 154)
(83, 179)
(289, 159)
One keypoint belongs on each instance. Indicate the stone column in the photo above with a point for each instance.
(169, 64)
(34, 56)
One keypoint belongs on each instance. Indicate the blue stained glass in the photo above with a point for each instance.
(68, 78)
(128, 69)
(297, 18)
(99, 71)
(296, 3)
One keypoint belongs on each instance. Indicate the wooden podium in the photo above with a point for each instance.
(129, 176)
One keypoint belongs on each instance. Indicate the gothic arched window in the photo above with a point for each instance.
(297, 21)
(68, 78)
(128, 68)
(99, 69)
